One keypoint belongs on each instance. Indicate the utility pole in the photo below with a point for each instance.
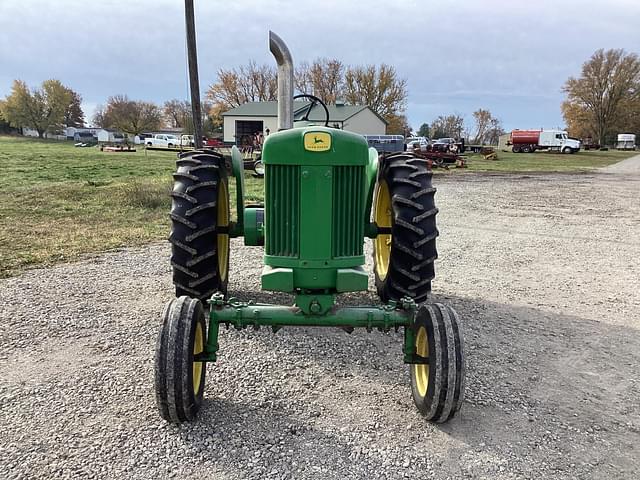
(194, 84)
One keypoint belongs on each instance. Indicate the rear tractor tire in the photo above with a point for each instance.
(438, 387)
(199, 225)
(179, 381)
(404, 201)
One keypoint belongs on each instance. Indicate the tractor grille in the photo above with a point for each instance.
(348, 211)
(283, 216)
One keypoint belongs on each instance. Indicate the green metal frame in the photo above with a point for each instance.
(239, 315)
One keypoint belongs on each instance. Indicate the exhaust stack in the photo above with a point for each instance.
(285, 80)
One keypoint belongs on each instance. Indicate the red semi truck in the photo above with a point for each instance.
(527, 141)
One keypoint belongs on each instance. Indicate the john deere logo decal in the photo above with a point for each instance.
(317, 141)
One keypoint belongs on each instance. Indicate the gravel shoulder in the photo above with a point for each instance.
(629, 166)
(543, 269)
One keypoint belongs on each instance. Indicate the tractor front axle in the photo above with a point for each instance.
(239, 315)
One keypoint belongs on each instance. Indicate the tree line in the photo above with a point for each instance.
(53, 106)
(377, 86)
(486, 129)
(603, 100)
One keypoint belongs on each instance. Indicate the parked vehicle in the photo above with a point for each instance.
(212, 142)
(417, 144)
(528, 141)
(626, 141)
(163, 140)
(448, 144)
(187, 141)
(386, 143)
(589, 144)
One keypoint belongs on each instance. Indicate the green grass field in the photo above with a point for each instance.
(58, 202)
(546, 162)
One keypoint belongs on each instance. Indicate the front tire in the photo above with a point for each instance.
(437, 387)
(199, 225)
(404, 202)
(179, 380)
(567, 150)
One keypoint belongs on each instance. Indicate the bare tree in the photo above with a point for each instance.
(379, 88)
(487, 128)
(177, 112)
(482, 119)
(327, 78)
(302, 80)
(447, 126)
(129, 116)
(609, 79)
(250, 83)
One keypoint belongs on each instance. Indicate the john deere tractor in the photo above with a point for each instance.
(325, 192)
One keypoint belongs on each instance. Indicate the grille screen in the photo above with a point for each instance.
(348, 211)
(283, 214)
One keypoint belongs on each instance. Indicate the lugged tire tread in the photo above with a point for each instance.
(194, 224)
(414, 232)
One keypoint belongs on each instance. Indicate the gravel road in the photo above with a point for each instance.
(544, 269)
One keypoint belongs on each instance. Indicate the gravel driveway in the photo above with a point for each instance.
(544, 269)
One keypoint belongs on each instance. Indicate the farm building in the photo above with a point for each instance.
(109, 135)
(244, 121)
(79, 134)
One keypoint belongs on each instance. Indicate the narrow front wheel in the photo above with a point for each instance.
(179, 379)
(437, 384)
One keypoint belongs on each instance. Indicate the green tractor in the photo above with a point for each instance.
(325, 192)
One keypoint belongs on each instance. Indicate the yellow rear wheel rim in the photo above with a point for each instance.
(421, 371)
(198, 347)
(382, 215)
(223, 238)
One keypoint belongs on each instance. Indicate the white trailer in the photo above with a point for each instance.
(626, 141)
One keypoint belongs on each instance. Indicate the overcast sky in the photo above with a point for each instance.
(511, 57)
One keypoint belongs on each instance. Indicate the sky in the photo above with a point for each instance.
(511, 57)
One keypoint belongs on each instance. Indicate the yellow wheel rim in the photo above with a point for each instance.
(421, 371)
(198, 347)
(223, 238)
(382, 215)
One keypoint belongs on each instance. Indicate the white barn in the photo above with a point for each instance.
(107, 135)
(262, 117)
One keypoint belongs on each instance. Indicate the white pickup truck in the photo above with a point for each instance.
(162, 140)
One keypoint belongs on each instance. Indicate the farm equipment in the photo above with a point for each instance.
(440, 159)
(325, 192)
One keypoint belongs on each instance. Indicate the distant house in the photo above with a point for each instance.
(242, 122)
(107, 135)
(81, 134)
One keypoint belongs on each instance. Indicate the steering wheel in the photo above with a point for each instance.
(314, 101)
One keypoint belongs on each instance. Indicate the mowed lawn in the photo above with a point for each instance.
(58, 201)
(583, 161)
